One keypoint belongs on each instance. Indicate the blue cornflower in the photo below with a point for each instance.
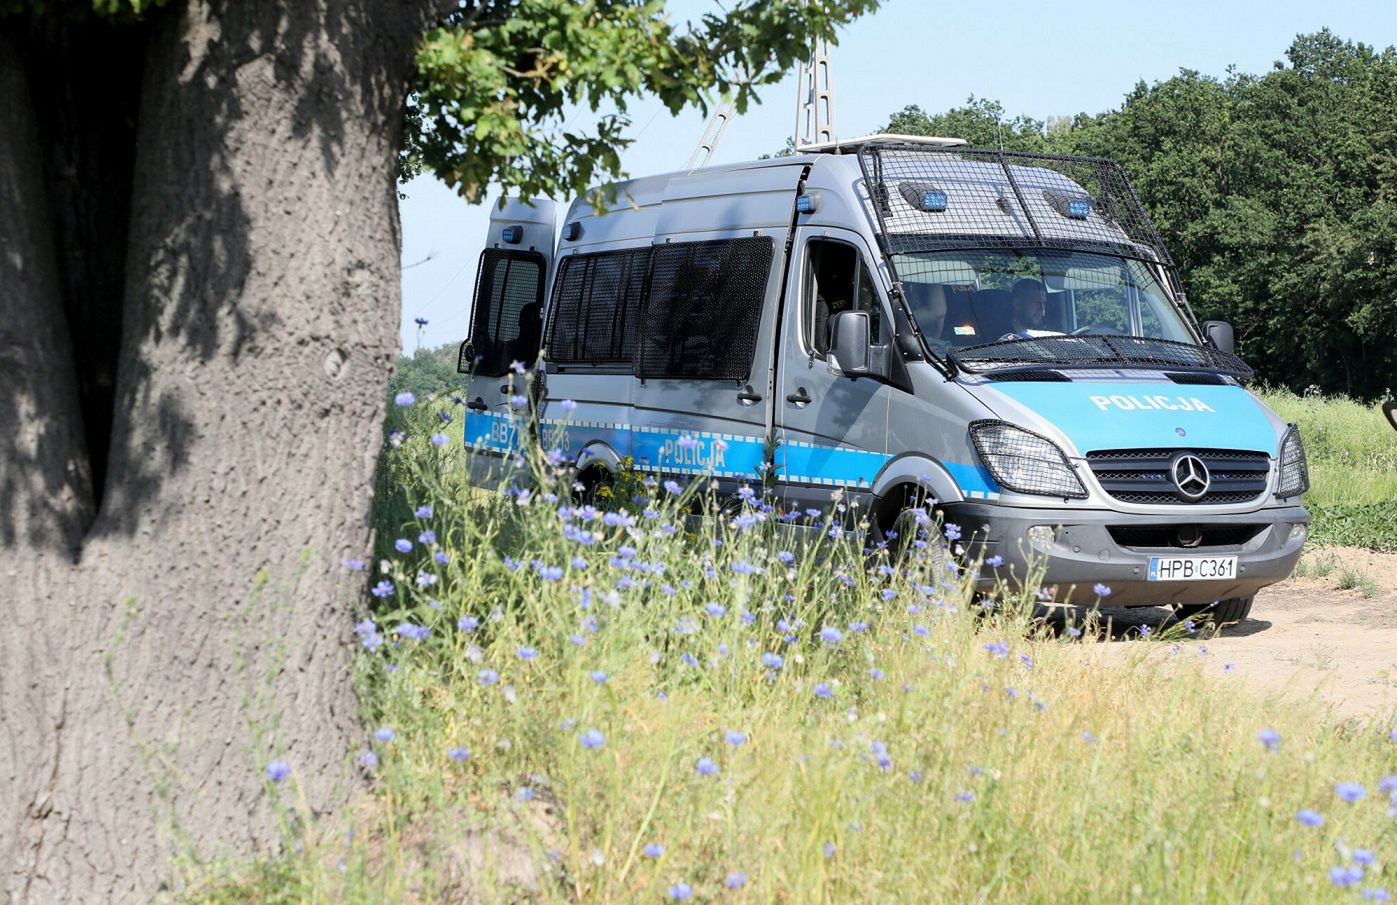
(786, 556)
(736, 880)
(705, 766)
(354, 565)
(440, 439)
(1363, 856)
(714, 609)
(830, 849)
(1101, 590)
(998, 648)
(994, 562)
(524, 794)
(653, 850)
(468, 623)
(743, 567)
(518, 401)
(1074, 631)
(592, 739)
(383, 589)
(952, 531)
(1346, 876)
(1090, 737)
(888, 593)
(598, 676)
(1270, 738)
(688, 659)
(1376, 894)
(567, 405)
(772, 661)
(413, 631)
(423, 512)
(1350, 791)
(733, 737)
(673, 487)
(404, 399)
(967, 795)
(278, 770)
(875, 673)
(526, 653)
(368, 759)
(427, 537)
(822, 690)
(384, 734)
(550, 573)
(857, 627)
(458, 754)
(402, 545)
(880, 754)
(1309, 817)
(488, 677)
(681, 891)
(831, 635)
(442, 557)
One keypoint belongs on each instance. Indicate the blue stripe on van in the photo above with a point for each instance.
(668, 451)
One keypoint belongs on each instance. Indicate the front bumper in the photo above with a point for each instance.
(1084, 553)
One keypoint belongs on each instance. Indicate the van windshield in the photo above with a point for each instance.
(967, 298)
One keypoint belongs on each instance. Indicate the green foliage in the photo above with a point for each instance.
(1036, 778)
(1276, 194)
(1352, 456)
(427, 372)
(495, 81)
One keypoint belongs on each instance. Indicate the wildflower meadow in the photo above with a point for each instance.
(645, 693)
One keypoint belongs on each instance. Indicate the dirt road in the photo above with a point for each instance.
(1308, 636)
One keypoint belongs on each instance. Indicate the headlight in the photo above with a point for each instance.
(1295, 474)
(1024, 462)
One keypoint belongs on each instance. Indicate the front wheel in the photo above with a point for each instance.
(1220, 612)
(911, 528)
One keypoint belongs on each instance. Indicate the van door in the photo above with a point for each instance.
(833, 429)
(703, 356)
(506, 329)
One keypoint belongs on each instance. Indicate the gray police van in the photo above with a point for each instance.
(895, 322)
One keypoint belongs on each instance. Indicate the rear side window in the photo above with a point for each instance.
(596, 302)
(703, 309)
(507, 319)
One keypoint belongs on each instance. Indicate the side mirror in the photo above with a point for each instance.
(848, 348)
(1219, 335)
(1389, 408)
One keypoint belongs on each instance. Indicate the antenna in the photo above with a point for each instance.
(815, 99)
(713, 132)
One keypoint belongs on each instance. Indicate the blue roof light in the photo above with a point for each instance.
(512, 234)
(933, 201)
(1078, 208)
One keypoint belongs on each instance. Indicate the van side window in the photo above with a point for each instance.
(703, 309)
(836, 280)
(596, 303)
(508, 312)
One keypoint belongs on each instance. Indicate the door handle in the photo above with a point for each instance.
(749, 397)
(477, 405)
(799, 397)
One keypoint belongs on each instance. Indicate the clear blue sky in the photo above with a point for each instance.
(1038, 59)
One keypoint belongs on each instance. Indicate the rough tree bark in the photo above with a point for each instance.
(168, 633)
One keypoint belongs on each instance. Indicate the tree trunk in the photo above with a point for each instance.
(160, 650)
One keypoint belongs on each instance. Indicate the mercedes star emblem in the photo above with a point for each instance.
(1190, 476)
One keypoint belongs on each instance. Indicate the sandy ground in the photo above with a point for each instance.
(1306, 637)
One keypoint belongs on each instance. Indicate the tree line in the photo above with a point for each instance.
(1275, 193)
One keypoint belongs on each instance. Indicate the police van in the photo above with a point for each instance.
(895, 322)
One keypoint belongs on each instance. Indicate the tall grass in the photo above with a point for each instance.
(1352, 453)
(642, 705)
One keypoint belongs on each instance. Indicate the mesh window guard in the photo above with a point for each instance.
(927, 199)
(596, 301)
(703, 309)
(508, 310)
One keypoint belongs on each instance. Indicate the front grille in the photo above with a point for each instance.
(1167, 536)
(1142, 475)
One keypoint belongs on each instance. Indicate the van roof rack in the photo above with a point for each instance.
(852, 145)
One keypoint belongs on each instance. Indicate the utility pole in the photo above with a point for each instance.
(815, 100)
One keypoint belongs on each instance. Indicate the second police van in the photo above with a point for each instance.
(895, 321)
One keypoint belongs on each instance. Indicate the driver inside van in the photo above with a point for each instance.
(1028, 311)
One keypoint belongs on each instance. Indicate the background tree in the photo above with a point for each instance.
(200, 278)
(1276, 194)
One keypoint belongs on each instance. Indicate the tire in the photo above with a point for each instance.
(909, 520)
(1220, 612)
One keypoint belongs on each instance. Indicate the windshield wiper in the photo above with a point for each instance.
(1098, 351)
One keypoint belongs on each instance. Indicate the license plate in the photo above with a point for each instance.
(1192, 568)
